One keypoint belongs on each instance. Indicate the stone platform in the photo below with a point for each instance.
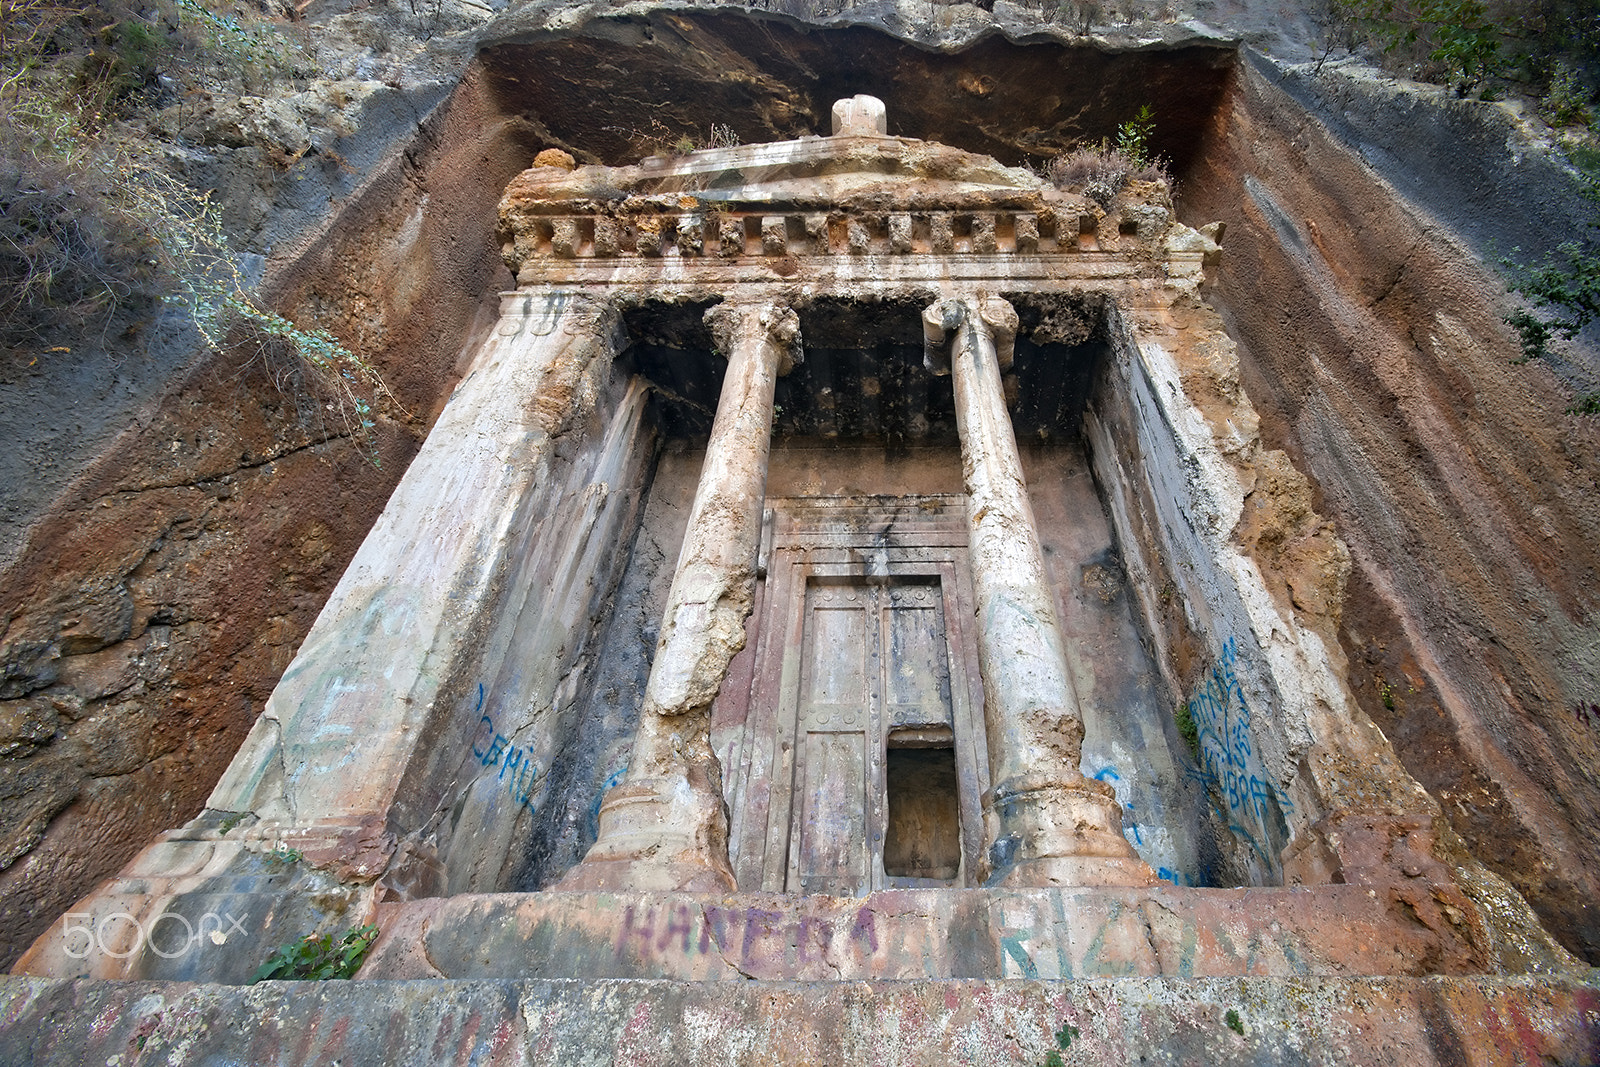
(1311, 1021)
(1349, 930)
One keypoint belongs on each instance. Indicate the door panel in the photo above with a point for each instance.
(834, 769)
(862, 652)
(917, 656)
(831, 838)
(836, 630)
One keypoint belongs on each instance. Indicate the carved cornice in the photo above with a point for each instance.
(832, 212)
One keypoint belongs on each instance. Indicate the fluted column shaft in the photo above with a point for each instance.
(664, 826)
(1044, 822)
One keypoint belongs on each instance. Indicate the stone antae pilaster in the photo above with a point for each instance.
(1044, 822)
(665, 826)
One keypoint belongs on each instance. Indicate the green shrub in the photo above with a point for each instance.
(1564, 287)
(71, 258)
(318, 958)
(1566, 101)
(1103, 170)
(1454, 41)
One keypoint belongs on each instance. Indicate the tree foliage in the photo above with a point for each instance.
(318, 957)
(1547, 49)
(97, 235)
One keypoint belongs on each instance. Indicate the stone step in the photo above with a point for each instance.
(935, 933)
(1311, 1021)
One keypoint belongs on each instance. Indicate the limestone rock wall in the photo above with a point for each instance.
(1371, 343)
(153, 605)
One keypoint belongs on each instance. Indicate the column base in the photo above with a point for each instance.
(657, 835)
(1050, 832)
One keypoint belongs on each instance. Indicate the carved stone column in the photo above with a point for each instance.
(1044, 822)
(665, 827)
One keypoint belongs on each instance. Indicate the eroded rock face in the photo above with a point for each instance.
(1371, 345)
(160, 599)
(156, 604)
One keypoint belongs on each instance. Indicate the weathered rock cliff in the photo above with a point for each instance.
(165, 582)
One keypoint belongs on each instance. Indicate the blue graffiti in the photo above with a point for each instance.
(594, 809)
(1109, 774)
(1228, 767)
(1167, 874)
(496, 750)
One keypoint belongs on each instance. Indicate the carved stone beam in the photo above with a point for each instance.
(664, 827)
(1044, 822)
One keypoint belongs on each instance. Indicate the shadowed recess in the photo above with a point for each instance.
(621, 89)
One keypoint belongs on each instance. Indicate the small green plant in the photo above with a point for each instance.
(1064, 1039)
(286, 855)
(1234, 1022)
(1187, 729)
(1133, 137)
(1566, 101)
(232, 819)
(317, 957)
(1102, 171)
(255, 50)
(1386, 694)
(1566, 290)
(1564, 287)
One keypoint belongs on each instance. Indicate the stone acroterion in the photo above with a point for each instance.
(860, 116)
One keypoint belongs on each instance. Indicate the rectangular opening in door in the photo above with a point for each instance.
(922, 842)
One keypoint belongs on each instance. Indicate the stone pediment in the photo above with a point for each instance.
(857, 193)
(843, 172)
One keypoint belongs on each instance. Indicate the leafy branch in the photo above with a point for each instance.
(187, 228)
(318, 958)
(1564, 289)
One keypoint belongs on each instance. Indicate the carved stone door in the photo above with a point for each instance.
(861, 758)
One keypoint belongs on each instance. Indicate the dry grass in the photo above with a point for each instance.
(1102, 172)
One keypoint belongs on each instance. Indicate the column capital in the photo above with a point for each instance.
(778, 323)
(942, 318)
(1000, 318)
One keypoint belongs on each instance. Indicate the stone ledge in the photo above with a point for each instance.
(909, 934)
(1416, 1022)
